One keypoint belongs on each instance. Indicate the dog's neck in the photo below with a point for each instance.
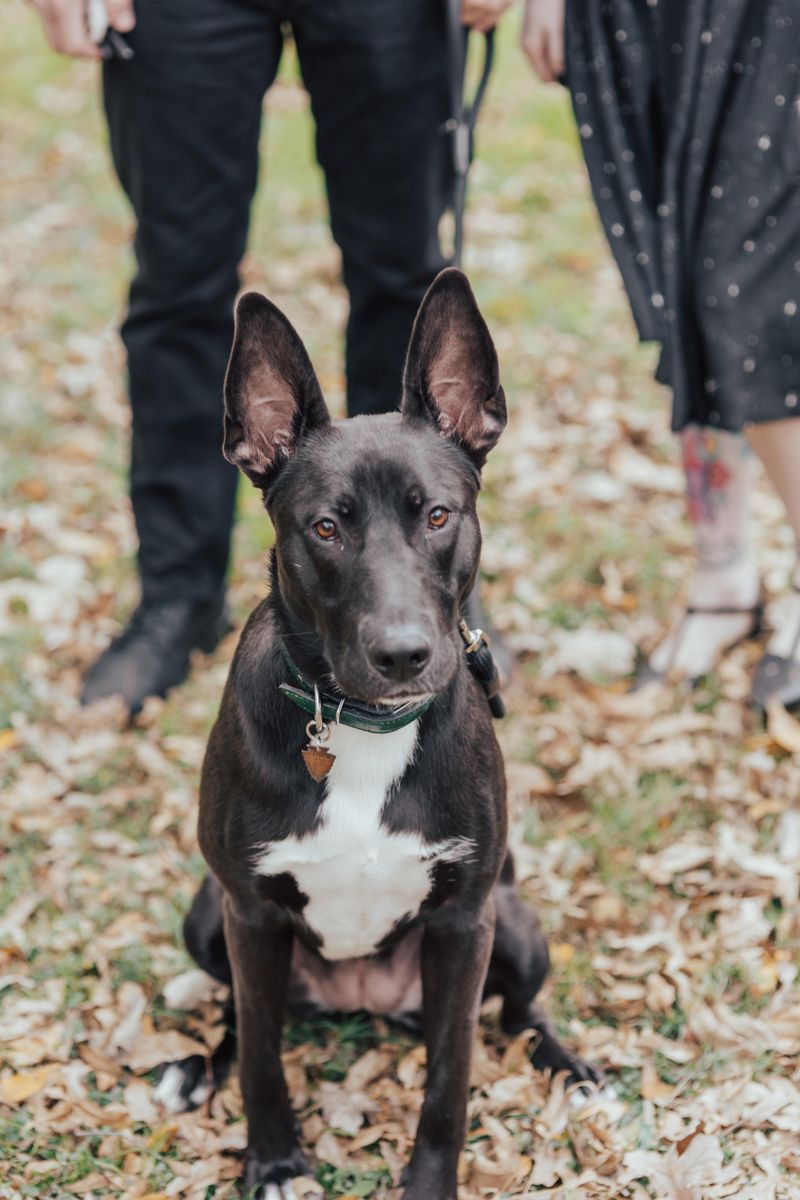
(302, 642)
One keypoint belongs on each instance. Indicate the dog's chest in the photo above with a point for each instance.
(360, 878)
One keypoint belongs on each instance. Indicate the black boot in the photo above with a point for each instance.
(152, 653)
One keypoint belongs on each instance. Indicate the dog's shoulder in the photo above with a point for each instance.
(253, 774)
(258, 644)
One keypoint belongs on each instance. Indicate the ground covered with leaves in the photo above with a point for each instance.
(658, 835)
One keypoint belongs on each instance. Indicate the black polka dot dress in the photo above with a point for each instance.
(689, 116)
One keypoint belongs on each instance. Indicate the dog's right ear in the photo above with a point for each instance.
(452, 378)
(272, 395)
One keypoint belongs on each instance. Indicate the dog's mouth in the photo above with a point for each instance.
(402, 700)
(390, 702)
(353, 677)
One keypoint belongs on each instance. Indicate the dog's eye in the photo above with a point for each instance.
(438, 517)
(325, 529)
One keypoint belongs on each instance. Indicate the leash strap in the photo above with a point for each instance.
(483, 666)
(464, 114)
(461, 126)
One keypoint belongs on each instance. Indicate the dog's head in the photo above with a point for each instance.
(377, 539)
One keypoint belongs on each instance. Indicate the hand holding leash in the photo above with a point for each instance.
(87, 28)
(483, 15)
(108, 20)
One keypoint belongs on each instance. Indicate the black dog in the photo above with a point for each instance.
(359, 857)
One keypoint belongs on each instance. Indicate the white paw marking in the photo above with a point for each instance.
(201, 1093)
(360, 878)
(168, 1091)
(584, 1096)
(274, 1191)
(189, 989)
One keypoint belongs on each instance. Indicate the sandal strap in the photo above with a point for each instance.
(796, 642)
(756, 611)
(725, 610)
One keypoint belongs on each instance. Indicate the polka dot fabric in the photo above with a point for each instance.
(689, 117)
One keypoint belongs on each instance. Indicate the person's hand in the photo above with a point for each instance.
(543, 37)
(67, 29)
(483, 15)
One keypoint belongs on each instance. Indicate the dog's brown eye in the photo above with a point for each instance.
(438, 517)
(325, 529)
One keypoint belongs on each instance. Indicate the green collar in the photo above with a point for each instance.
(344, 711)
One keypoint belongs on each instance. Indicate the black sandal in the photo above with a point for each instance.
(645, 674)
(777, 677)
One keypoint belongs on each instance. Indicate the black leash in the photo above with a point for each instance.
(461, 127)
(463, 114)
(483, 666)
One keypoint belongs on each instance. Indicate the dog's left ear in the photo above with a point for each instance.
(452, 376)
(272, 395)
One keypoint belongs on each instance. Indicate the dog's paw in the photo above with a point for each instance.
(184, 1085)
(580, 1071)
(287, 1178)
(300, 1189)
(426, 1177)
(551, 1056)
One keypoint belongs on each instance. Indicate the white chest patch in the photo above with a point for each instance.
(359, 878)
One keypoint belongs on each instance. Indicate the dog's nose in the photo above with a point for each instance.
(402, 652)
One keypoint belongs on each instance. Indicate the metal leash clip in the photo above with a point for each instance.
(473, 638)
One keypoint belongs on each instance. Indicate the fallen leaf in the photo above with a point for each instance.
(16, 1088)
(153, 1049)
(784, 729)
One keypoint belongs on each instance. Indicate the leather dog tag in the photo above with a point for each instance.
(318, 761)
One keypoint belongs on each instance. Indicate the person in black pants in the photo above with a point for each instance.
(184, 117)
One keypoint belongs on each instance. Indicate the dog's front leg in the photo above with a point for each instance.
(260, 949)
(455, 957)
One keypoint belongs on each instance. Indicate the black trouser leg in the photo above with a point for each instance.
(376, 73)
(184, 118)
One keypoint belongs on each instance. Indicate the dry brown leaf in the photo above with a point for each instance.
(139, 1102)
(660, 994)
(784, 729)
(677, 1176)
(156, 1048)
(411, 1068)
(367, 1068)
(526, 778)
(597, 1147)
(653, 1088)
(14, 1089)
(329, 1149)
(343, 1109)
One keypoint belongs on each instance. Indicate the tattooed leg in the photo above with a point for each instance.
(719, 471)
(777, 444)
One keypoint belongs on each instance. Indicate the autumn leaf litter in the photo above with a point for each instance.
(658, 834)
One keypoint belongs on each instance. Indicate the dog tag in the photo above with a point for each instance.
(318, 761)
